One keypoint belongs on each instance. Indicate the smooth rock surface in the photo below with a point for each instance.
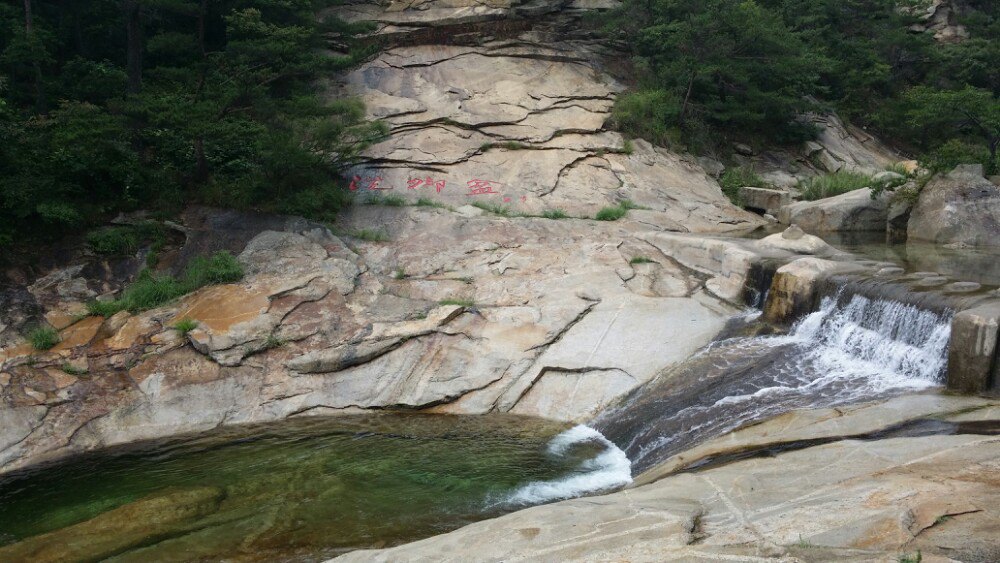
(958, 207)
(852, 211)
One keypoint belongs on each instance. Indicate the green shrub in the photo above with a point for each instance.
(150, 290)
(641, 260)
(125, 240)
(955, 152)
(735, 178)
(43, 338)
(611, 213)
(185, 326)
(371, 235)
(648, 114)
(554, 214)
(835, 184)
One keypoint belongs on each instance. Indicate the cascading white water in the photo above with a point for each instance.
(608, 470)
(847, 351)
(884, 338)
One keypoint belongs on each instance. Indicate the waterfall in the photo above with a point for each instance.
(852, 348)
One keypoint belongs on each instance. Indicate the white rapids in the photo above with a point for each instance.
(608, 470)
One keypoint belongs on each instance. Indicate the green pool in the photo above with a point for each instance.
(299, 490)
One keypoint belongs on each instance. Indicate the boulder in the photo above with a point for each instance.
(972, 357)
(853, 211)
(794, 240)
(763, 199)
(792, 287)
(958, 207)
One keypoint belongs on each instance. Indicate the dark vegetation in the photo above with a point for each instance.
(151, 290)
(114, 105)
(710, 72)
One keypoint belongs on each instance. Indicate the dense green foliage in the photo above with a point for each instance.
(151, 290)
(839, 182)
(735, 178)
(110, 105)
(711, 71)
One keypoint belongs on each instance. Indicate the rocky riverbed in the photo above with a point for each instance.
(471, 277)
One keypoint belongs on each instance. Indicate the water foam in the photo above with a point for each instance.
(610, 469)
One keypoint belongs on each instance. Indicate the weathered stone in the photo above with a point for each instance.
(791, 290)
(796, 241)
(973, 366)
(958, 207)
(764, 200)
(853, 211)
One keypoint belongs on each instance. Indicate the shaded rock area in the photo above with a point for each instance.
(961, 207)
(873, 499)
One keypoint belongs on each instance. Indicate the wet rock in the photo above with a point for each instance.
(144, 521)
(791, 290)
(853, 211)
(958, 207)
(962, 287)
(848, 500)
(972, 357)
(743, 149)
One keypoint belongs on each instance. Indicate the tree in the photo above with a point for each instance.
(971, 112)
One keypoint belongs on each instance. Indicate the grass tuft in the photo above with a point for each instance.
(399, 274)
(185, 326)
(150, 290)
(459, 302)
(611, 213)
(73, 370)
(372, 235)
(641, 260)
(43, 338)
(125, 240)
(830, 185)
(428, 202)
(554, 214)
(735, 178)
(493, 208)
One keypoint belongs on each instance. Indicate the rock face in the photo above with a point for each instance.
(846, 500)
(852, 211)
(459, 310)
(959, 207)
(516, 122)
(452, 313)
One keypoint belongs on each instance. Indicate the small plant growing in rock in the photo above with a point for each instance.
(73, 370)
(554, 214)
(371, 235)
(641, 260)
(185, 326)
(43, 338)
(459, 302)
(908, 558)
(428, 202)
(611, 213)
(493, 208)
(399, 274)
(272, 341)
